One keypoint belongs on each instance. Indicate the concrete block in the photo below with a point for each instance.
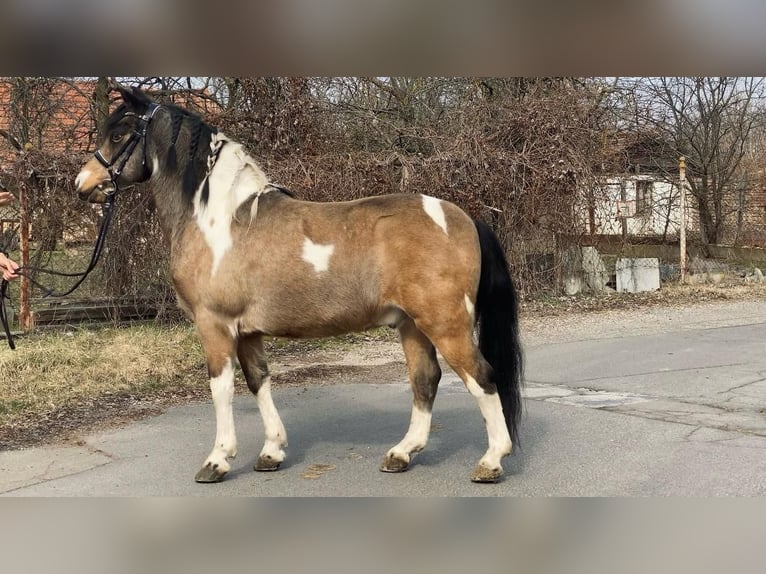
(572, 285)
(583, 270)
(594, 270)
(638, 275)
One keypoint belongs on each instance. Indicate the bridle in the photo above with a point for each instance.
(114, 168)
(123, 155)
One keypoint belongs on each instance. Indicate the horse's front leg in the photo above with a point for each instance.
(252, 358)
(219, 347)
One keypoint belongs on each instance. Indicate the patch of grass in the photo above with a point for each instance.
(58, 370)
(12, 406)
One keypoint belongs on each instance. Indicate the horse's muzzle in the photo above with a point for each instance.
(98, 194)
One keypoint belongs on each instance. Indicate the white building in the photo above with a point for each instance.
(640, 205)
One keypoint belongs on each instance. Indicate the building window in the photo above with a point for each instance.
(644, 197)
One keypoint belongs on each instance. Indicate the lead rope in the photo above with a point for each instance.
(124, 152)
(98, 249)
(4, 315)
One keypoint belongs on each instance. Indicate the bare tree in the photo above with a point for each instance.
(709, 121)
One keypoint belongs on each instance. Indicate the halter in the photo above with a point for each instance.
(126, 151)
(123, 155)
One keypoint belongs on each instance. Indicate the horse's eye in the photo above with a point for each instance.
(117, 138)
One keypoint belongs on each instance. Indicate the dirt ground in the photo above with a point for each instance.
(378, 358)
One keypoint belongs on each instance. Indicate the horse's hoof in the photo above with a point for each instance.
(485, 474)
(210, 473)
(393, 463)
(266, 463)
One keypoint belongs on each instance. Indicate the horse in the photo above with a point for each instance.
(248, 260)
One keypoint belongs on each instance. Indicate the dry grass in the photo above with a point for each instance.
(56, 376)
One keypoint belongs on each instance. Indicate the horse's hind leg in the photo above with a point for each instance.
(424, 375)
(219, 351)
(461, 352)
(252, 359)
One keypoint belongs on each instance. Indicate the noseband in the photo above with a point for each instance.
(115, 166)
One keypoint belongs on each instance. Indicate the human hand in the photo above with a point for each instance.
(6, 198)
(8, 267)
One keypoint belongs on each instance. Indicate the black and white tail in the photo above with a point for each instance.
(497, 312)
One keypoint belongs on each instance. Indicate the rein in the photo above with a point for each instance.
(123, 155)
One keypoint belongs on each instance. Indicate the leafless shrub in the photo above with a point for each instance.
(523, 154)
(516, 159)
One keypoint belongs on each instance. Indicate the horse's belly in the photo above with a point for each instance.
(312, 321)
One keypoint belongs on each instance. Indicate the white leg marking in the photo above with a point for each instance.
(433, 207)
(497, 431)
(417, 435)
(316, 255)
(222, 389)
(276, 437)
(469, 306)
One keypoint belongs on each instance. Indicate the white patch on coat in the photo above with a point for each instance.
(469, 306)
(235, 177)
(316, 255)
(81, 178)
(433, 207)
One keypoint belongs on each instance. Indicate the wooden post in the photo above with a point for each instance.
(623, 219)
(25, 315)
(682, 224)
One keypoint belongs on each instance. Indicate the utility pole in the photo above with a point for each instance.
(682, 228)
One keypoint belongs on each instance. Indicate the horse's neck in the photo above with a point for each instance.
(234, 178)
(173, 216)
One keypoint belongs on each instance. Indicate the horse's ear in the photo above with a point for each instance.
(125, 92)
(130, 95)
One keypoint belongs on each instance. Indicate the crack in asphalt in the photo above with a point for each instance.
(721, 418)
(737, 387)
(641, 374)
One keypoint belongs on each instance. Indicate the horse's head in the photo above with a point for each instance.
(121, 158)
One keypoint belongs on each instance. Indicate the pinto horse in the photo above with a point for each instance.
(249, 260)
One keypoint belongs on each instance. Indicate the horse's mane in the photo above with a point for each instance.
(200, 137)
(200, 134)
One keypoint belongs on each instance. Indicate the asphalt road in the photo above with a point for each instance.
(677, 414)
